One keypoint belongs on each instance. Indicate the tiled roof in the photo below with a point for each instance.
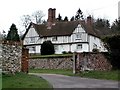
(63, 29)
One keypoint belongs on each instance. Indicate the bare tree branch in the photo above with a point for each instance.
(26, 19)
(38, 15)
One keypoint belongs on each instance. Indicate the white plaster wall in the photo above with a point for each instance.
(84, 47)
(98, 42)
(31, 33)
(79, 30)
(38, 47)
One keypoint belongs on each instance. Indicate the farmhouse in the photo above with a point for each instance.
(69, 36)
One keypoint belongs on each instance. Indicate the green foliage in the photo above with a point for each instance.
(50, 56)
(79, 15)
(59, 18)
(47, 48)
(64, 52)
(72, 18)
(22, 80)
(95, 50)
(102, 23)
(112, 43)
(109, 75)
(13, 34)
(66, 18)
(116, 26)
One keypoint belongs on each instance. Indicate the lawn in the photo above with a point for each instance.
(108, 75)
(21, 80)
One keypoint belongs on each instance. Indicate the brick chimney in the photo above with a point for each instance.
(51, 17)
(89, 21)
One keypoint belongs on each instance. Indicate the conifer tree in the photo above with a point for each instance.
(13, 34)
(79, 15)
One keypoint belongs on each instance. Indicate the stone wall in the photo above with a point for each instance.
(89, 61)
(93, 61)
(11, 56)
(51, 63)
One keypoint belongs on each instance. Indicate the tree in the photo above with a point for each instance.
(66, 18)
(116, 25)
(79, 15)
(102, 23)
(26, 20)
(72, 19)
(112, 43)
(13, 34)
(47, 48)
(59, 17)
(37, 16)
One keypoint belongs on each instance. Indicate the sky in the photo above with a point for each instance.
(11, 11)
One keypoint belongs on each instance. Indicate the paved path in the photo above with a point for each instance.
(62, 81)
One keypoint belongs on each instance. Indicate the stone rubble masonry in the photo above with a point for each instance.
(51, 63)
(91, 61)
(11, 56)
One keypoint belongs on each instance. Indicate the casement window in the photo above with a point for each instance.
(54, 39)
(78, 36)
(32, 40)
(32, 49)
(55, 47)
(79, 46)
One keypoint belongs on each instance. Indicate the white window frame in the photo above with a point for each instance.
(78, 36)
(54, 38)
(32, 39)
(32, 49)
(56, 47)
(79, 46)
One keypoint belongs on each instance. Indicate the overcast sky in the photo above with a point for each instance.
(12, 10)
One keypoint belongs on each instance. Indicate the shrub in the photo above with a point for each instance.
(47, 48)
(64, 52)
(69, 52)
(112, 43)
(95, 50)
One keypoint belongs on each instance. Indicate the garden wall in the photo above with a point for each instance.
(89, 61)
(51, 63)
(11, 56)
(93, 61)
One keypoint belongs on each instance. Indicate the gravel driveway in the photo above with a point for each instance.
(62, 81)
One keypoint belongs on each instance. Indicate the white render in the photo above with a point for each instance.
(78, 41)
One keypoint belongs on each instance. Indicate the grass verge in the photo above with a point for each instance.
(108, 75)
(50, 56)
(22, 80)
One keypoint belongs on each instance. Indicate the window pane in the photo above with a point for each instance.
(32, 40)
(79, 46)
(78, 36)
(54, 39)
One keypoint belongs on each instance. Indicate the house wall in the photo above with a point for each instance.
(94, 40)
(32, 34)
(79, 35)
(64, 43)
